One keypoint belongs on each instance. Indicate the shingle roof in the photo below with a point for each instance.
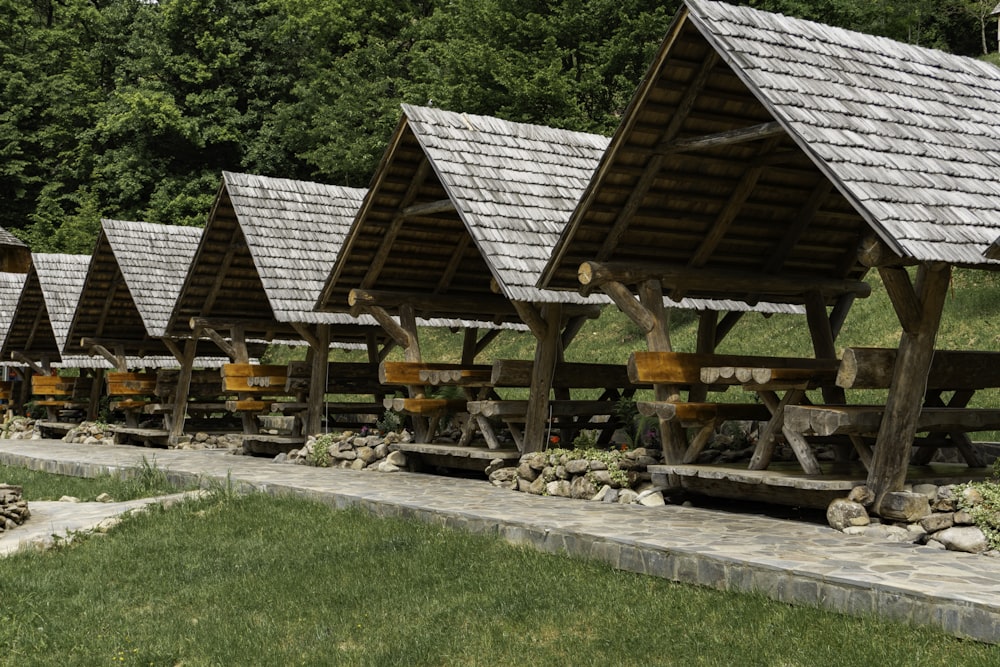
(154, 261)
(294, 230)
(911, 135)
(11, 285)
(513, 187)
(513, 184)
(8, 239)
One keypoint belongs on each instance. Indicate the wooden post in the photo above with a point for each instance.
(708, 323)
(909, 378)
(469, 338)
(317, 381)
(94, 404)
(408, 322)
(546, 357)
(183, 390)
(658, 340)
(821, 332)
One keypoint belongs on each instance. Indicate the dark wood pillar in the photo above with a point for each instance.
(182, 391)
(672, 435)
(547, 351)
(317, 380)
(918, 306)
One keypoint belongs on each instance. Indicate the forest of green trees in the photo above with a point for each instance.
(130, 109)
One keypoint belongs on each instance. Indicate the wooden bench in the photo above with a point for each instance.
(356, 384)
(480, 383)
(130, 393)
(55, 393)
(958, 372)
(256, 387)
(702, 374)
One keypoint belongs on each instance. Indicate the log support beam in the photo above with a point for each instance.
(909, 380)
(179, 413)
(547, 353)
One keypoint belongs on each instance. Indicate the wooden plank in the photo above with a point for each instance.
(702, 413)
(128, 404)
(512, 409)
(568, 375)
(247, 405)
(424, 406)
(477, 376)
(408, 372)
(252, 370)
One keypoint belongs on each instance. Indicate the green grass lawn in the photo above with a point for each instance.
(254, 580)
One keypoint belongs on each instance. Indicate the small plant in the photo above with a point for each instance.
(390, 421)
(640, 431)
(585, 440)
(319, 455)
(985, 513)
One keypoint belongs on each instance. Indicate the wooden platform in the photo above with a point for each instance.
(454, 456)
(50, 428)
(148, 437)
(271, 445)
(785, 484)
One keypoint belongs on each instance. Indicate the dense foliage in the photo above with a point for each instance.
(130, 108)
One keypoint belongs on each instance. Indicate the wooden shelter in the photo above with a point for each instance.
(766, 157)
(258, 270)
(133, 281)
(11, 285)
(15, 257)
(460, 219)
(40, 324)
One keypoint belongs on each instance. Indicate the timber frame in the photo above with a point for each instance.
(718, 184)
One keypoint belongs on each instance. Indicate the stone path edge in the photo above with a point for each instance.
(974, 617)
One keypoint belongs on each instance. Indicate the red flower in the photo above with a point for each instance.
(554, 440)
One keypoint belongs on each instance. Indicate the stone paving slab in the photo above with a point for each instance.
(788, 561)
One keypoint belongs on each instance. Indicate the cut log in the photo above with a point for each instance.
(703, 413)
(424, 406)
(517, 409)
(685, 367)
(247, 405)
(865, 419)
(872, 368)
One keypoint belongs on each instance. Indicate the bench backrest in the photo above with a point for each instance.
(343, 377)
(130, 384)
(205, 384)
(408, 372)
(52, 385)
(872, 368)
(566, 375)
(254, 379)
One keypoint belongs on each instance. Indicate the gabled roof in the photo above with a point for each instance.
(11, 285)
(265, 252)
(907, 138)
(45, 309)
(268, 247)
(134, 278)
(14, 254)
(463, 206)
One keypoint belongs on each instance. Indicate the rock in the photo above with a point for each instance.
(598, 465)
(601, 477)
(358, 464)
(523, 485)
(577, 466)
(561, 472)
(559, 488)
(842, 513)
(385, 466)
(69, 499)
(526, 471)
(346, 455)
(602, 493)
(651, 498)
(627, 496)
(104, 498)
(91, 440)
(381, 451)
(537, 487)
(945, 500)
(200, 436)
(397, 459)
(929, 490)
(963, 518)
(962, 538)
(282, 457)
(862, 495)
(612, 495)
(537, 461)
(505, 478)
(366, 454)
(904, 506)
(582, 488)
(937, 521)
(494, 464)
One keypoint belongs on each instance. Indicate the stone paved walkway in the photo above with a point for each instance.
(788, 561)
